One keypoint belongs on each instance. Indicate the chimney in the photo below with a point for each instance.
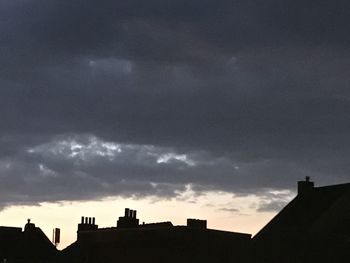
(134, 214)
(196, 223)
(126, 212)
(305, 186)
(93, 220)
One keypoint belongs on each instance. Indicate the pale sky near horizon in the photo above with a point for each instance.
(222, 212)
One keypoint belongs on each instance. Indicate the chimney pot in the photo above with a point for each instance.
(126, 212)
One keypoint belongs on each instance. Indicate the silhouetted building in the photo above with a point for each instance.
(157, 242)
(31, 245)
(313, 227)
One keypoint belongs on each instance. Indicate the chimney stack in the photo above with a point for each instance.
(129, 220)
(305, 186)
(126, 212)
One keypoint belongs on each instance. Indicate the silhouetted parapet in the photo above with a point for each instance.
(306, 186)
(197, 223)
(167, 224)
(129, 219)
(9, 232)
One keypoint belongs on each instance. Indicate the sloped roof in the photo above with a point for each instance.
(323, 209)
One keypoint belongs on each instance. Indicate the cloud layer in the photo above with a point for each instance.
(235, 96)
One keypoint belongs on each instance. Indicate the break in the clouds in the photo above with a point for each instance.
(149, 98)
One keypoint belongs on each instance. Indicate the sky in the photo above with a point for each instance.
(212, 107)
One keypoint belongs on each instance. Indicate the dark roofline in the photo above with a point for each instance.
(329, 193)
(10, 228)
(328, 187)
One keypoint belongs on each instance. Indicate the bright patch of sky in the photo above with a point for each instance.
(91, 147)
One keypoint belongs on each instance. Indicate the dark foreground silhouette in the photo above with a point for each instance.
(313, 227)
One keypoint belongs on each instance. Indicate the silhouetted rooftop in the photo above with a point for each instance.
(31, 245)
(313, 227)
(309, 211)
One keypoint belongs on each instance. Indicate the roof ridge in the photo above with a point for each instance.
(333, 186)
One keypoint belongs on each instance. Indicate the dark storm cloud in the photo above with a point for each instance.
(255, 93)
(273, 201)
